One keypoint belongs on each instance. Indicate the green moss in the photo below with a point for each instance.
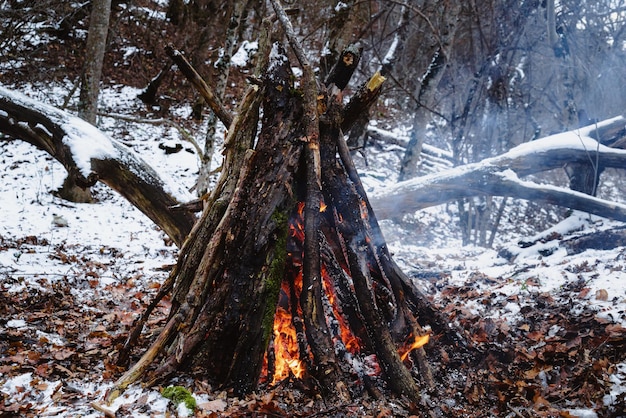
(178, 395)
(276, 271)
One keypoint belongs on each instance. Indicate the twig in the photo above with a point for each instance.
(107, 412)
(515, 411)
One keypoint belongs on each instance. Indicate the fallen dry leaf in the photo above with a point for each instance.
(602, 294)
(216, 405)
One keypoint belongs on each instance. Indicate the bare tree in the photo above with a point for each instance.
(223, 69)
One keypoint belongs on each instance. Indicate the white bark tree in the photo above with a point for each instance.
(94, 58)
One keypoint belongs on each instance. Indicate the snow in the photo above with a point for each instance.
(84, 140)
(389, 56)
(86, 143)
(246, 50)
(580, 139)
(618, 380)
(340, 6)
(16, 323)
(276, 58)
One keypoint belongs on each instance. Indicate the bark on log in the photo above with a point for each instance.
(351, 228)
(490, 177)
(601, 240)
(112, 163)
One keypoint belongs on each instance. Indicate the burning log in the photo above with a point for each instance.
(287, 273)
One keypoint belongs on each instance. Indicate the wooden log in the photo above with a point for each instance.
(496, 176)
(341, 194)
(342, 71)
(319, 338)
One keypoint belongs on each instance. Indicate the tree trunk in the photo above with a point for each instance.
(221, 78)
(94, 57)
(90, 86)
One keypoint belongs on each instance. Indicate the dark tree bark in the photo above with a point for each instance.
(236, 10)
(149, 94)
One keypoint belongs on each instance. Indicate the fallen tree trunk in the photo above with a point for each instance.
(90, 156)
(498, 176)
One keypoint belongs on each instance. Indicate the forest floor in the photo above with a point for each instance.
(545, 320)
(546, 324)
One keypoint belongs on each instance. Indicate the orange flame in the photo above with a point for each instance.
(418, 342)
(350, 341)
(287, 358)
(364, 212)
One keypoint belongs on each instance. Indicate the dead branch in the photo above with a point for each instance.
(194, 78)
(490, 177)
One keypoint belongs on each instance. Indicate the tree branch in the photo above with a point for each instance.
(194, 78)
(490, 177)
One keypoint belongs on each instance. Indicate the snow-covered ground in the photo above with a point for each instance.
(109, 259)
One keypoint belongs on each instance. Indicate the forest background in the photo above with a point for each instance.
(466, 82)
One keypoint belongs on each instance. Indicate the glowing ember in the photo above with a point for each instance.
(350, 341)
(363, 207)
(418, 342)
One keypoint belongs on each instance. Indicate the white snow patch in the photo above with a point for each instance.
(618, 380)
(340, 6)
(246, 50)
(583, 413)
(87, 143)
(16, 323)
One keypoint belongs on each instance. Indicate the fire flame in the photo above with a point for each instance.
(350, 341)
(287, 359)
(286, 348)
(418, 342)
